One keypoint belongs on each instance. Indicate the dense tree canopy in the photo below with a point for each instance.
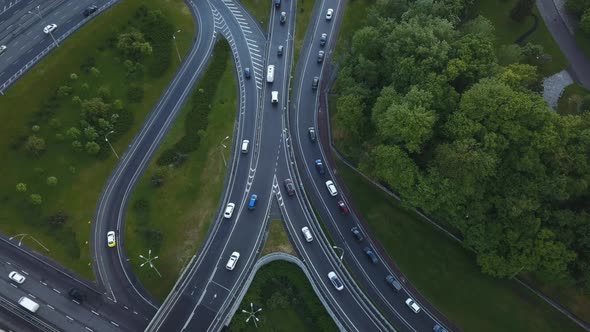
(425, 107)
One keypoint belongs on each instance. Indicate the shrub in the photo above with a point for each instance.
(35, 145)
(58, 219)
(135, 93)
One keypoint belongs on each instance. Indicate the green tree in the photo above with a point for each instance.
(92, 148)
(35, 199)
(94, 108)
(90, 133)
(21, 187)
(585, 22)
(74, 76)
(64, 91)
(349, 116)
(77, 146)
(35, 145)
(73, 133)
(95, 72)
(133, 45)
(393, 165)
(51, 181)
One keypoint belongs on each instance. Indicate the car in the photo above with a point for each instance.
(232, 261)
(77, 294)
(111, 239)
(413, 305)
(307, 234)
(252, 203)
(329, 14)
(331, 188)
(320, 166)
(274, 97)
(343, 208)
(371, 254)
(289, 187)
(277, 3)
(357, 233)
(323, 39)
(280, 50)
(283, 18)
(315, 82)
(393, 282)
(245, 144)
(2, 48)
(229, 210)
(312, 136)
(88, 11)
(438, 328)
(335, 281)
(50, 28)
(247, 72)
(16, 277)
(321, 56)
(28, 304)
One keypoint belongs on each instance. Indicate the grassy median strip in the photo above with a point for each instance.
(277, 240)
(176, 199)
(288, 302)
(259, 9)
(52, 175)
(445, 272)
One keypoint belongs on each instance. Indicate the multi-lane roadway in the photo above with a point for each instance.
(279, 149)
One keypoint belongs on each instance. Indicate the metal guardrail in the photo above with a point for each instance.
(29, 318)
(46, 51)
(280, 257)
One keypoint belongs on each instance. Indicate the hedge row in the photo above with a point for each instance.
(158, 30)
(200, 106)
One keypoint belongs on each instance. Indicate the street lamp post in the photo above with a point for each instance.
(22, 237)
(341, 252)
(221, 150)
(38, 13)
(149, 260)
(176, 45)
(252, 314)
(109, 143)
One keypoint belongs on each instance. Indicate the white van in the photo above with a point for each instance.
(28, 304)
(274, 97)
(245, 144)
(270, 74)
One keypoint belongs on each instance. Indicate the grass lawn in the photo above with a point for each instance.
(571, 99)
(80, 177)
(304, 11)
(583, 41)
(277, 240)
(260, 10)
(507, 31)
(183, 207)
(288, 301)
(446, 273)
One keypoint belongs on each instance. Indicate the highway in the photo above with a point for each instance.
(306, 104)
(49, 284)
(21, 30)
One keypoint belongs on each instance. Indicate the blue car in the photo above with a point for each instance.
(320, 166)
(252, 203)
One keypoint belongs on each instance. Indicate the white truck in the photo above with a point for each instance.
(28, 304)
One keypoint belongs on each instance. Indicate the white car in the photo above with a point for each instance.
(413, 305)
(274, 98)
(233, 259)
(335, 281)
(111, 239)
(307, 234)
(329, 14)
(16, 277)
(2, 48)
(50, 28)
(229, 210)
(331, 188)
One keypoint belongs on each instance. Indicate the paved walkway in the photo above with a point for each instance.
(553, 87)
(579, 64)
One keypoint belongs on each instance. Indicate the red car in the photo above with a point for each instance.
(343, 207)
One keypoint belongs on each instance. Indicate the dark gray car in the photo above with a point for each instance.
(290, 187)
(371, 254)
(357, 233)
(280, 50)
(393, 282)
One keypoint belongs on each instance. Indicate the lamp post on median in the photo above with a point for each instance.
(109, 143)
(222, 148)
(252, 314)
(22, 237)
(149, 260)
(176, 45)
(341, 253)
